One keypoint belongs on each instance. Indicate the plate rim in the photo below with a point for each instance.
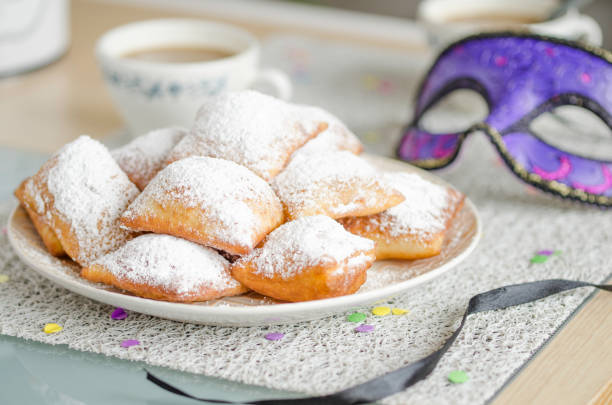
(193, 312)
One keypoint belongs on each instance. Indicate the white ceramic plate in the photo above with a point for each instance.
(386, 278)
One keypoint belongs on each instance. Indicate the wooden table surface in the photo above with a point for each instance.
(44, 109)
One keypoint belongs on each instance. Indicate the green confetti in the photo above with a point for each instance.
(539, 259)
(458, 377)
(356, 317)
(557, 253)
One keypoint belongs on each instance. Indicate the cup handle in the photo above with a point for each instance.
(277, 80)
(573, 26)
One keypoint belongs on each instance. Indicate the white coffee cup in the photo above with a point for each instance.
(449, 20)
(154, 94)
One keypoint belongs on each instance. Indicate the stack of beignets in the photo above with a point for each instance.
(247, 198)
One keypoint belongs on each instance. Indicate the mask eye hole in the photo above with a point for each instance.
(576, 130)
(455, 112)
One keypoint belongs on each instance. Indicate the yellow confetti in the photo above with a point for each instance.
(371, 137)
(370, 82)
(52, 328)
(399, 311)
(3, 278)
(381, 311)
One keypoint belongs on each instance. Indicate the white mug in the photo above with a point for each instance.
(449, 20)
(154, 94)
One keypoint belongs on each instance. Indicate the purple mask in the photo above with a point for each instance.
(520, 76)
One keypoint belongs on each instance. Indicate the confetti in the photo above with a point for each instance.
(399, 311)
(370, 82)
(52, 328)
(458, 377)
(371, 137)
(381, 311)
(275, 336)
(4, 278)
(364, 328)
(539, 259)
(543, 255)
(130, 343)
(4, 231)
(385, 87)
(119, 314)
(356, 317)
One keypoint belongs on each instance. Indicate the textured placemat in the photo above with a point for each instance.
(326, 355)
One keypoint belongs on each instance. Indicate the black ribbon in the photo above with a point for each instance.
(400, 379)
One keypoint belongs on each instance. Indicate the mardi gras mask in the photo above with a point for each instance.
(520, 77)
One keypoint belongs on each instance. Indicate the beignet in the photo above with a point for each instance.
(45, 232)
(252, 129)
(337, 184)
(335, 137)
(307, 259)
(415, 228)
(77, 197)
(213, 202)
(166, 268)
(146, 155)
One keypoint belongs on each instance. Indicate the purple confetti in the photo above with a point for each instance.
(364, 328)
(119, 314)
(130, 343)
(275, 336)
(545, 252)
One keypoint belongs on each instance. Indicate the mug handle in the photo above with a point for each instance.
(574, 26)
(276, 79)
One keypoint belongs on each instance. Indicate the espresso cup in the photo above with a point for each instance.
(449, 20)
(151, 94)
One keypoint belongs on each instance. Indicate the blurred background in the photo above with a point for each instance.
(600, 10)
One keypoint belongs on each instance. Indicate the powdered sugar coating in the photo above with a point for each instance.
(225, 193)
(422, 213)
(305, 242)
(252, 129)
(146, 155)
(89, 192)
(176, 265)
(310, 177)
(335, 137)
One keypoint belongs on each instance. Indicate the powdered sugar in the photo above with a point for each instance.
(89, 193)
(176, 265)
(251, 129)
(142, 158)
(421, 213)
(335, 137)
(225, 192)
(305, 242)
(310, 178)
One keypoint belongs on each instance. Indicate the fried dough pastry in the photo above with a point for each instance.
(45, 232)
(75, 201)
(213, 202)
(252, 129)
(307, 259)
(163, 267)
(335, 137)
(417, 227)
(337, 184)
(146, 155)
